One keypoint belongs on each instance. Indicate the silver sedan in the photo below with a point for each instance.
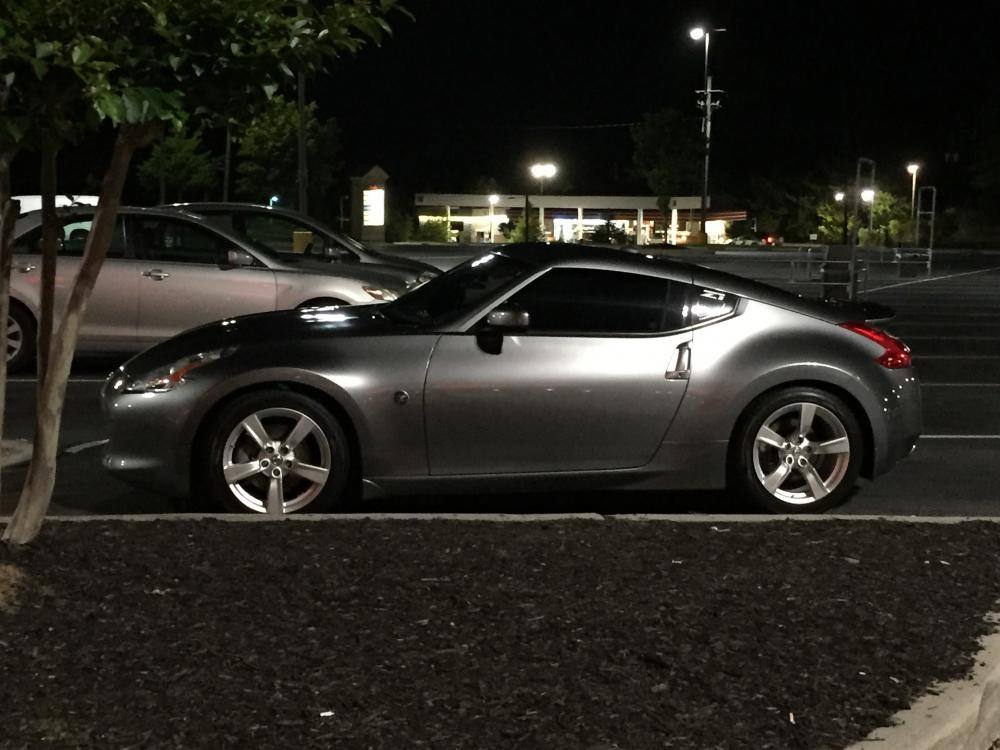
(532, 367)
(168, 271)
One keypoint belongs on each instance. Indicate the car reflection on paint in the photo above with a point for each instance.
(535, 366)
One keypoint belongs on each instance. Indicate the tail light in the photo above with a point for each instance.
(896, 355)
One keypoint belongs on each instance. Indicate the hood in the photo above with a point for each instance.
(264, 328)
(368, 273)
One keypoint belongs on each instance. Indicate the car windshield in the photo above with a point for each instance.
(459, 291)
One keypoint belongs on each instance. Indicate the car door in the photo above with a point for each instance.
(185, 279)
(593, 384)
(109, 323)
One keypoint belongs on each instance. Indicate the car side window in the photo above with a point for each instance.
(589, 301)
(281, 234)
(172, 241)
(72, 238)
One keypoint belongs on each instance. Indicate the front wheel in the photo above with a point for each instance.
(20, 339)
(276, 452)
(799, 451)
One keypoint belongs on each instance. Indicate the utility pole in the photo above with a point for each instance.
(303, 166)
(708, 107)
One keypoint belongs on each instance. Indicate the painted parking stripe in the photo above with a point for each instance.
(960, 437)
(79, 448)
(932, 278)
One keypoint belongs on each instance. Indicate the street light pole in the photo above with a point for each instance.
(540, 172)
(493, 199)
(696, 34)
(854, 238)
(840, 198)
(913, 169)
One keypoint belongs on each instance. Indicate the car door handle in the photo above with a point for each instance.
(681, 369)
(156, 274)
(26, 269)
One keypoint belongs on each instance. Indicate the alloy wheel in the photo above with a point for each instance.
(15, 338)
(276, 461)
(801, 453)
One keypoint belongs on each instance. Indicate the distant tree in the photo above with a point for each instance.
(513, 231)
(435, 230)
(890, 220)
(400, 225)
(610, 234)
(667, 152)
(268, 153)
(178, 166)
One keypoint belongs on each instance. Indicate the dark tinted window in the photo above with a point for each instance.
(172, 241)
(581, 300)
(72, 239)
(280, 233)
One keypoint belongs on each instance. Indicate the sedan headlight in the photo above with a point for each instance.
(380, 293)
(167, 378)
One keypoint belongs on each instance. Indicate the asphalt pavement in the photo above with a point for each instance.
(950, 319)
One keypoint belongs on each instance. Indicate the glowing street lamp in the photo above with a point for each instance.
(840, 197)
(272, 201)
(542, 172)
(868, 195)
(493, 199)
(913, 169)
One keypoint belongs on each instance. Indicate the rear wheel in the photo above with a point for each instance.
(799, 451)
(276, 452)
(20, 338)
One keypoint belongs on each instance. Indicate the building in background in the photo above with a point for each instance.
(574, 218)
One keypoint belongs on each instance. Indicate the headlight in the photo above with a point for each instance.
(167, 378)
(379, 293)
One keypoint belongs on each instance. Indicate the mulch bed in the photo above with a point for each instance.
(438, 634)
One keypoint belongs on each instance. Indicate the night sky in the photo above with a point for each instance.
(472, 90)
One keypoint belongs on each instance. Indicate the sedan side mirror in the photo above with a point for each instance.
(508, 319)
(239, 258)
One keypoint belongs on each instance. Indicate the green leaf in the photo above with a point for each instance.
(135, 105)
(269, 89)
(174, 60)
(286, 70)
(9, 79)
(234, 47)
(81, 53)
(44, 49)
(110, 106)
(39, 67)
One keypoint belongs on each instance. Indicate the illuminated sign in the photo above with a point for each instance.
(374, 207)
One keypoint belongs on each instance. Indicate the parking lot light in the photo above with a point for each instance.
(839, 196)
(868, 195)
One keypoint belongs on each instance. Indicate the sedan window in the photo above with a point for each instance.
(72, 239)
(583, 300)
(174, 241)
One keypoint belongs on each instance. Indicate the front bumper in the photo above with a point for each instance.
(149, 445)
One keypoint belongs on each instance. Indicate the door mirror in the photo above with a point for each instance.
(508, 318)
(239, 258)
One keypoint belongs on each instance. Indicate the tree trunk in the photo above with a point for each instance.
(40, 481)
(50, 247)
(8, 215)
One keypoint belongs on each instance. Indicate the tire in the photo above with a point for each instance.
(781, 471)
(21, 343)
(311, 475)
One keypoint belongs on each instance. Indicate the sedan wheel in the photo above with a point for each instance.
(20, 339)
(800, 452)
(278, 453)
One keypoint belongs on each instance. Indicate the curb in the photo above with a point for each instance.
(962, 715)
(691, 518)
(14, 452)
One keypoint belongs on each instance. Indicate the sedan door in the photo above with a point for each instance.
(185, 279)
(593, 384)
(109, 322)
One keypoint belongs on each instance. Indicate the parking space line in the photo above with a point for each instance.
(930, 279)
(960, 437)
(960, 385)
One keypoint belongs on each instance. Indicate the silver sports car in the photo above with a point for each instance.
(535, 366)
